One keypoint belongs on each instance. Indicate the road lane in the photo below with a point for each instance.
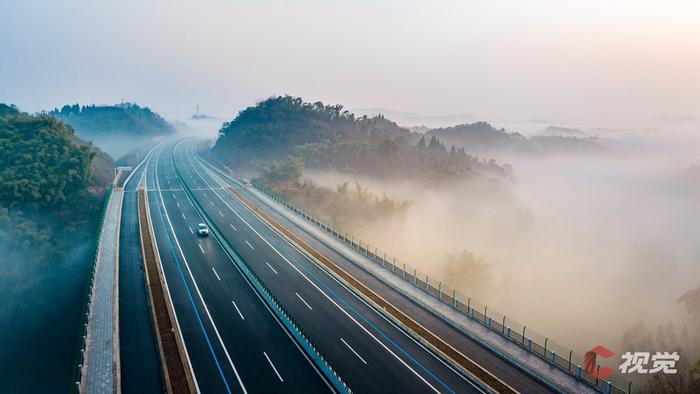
(138, 350)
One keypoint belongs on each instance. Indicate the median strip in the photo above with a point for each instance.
(174, 362)
(417, 330)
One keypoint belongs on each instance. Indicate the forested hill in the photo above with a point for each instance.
(51, 192)
(51, 183)
(328, 137)
(126, 118)
(116, 129)
(484, 139)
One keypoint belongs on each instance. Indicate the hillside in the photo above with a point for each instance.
(51, 192)
(328, 138)
(116, 129)
(479, 137)
(563, 131)
(482, 138)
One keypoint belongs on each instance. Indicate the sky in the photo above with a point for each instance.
(594, 62)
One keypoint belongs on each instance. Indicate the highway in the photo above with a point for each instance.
(368, 350)
(234, 342)
(200, 175)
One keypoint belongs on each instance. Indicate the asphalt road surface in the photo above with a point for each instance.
(234, 342)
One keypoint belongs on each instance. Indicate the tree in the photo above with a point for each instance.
(8, 109)
(469, 272)
(44, 175)
(284, 171)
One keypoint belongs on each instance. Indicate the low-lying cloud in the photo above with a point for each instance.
(577, 247)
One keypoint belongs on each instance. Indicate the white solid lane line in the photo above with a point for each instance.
(251, 246)
(217, 275)
(304, 301)
(273, 367)
(233, 227)
(200, 248)
(238, 310)
(353, 350)
(222, 215)
(273, 270)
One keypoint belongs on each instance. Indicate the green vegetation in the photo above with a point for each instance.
(327, 137)
(284, 171)
(117, 129)
(51, 192)
(8, 109)
(124, 118)
(346, 207)
(44, 173)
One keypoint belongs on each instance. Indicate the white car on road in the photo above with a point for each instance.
(202, 229)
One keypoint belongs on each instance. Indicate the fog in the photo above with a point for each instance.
(579, 247)
(37, 293)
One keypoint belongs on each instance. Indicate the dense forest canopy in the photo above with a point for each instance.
(328, 137)
(6, 109)
(45, 173)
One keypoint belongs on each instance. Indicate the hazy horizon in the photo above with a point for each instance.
(594, 63)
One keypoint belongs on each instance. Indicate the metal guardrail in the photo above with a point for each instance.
(88, 296)
(562, 357)
(275, 305)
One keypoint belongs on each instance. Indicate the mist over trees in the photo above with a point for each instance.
(284, 171)
(281, 136)
(117, 129)
(328, 137)
(347, 207)
(483, 138)
(51, 192)
(127, 118)
(678, 336)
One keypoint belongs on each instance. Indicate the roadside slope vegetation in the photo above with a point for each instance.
(51, 191)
